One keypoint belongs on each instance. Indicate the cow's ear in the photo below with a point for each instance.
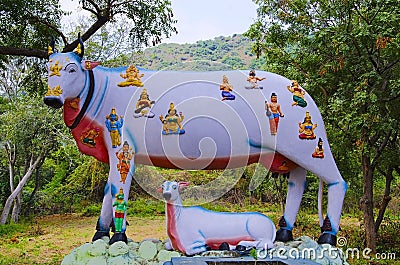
(89, 65)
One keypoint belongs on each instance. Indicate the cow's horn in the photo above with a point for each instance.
(51, 49)
(80, 49)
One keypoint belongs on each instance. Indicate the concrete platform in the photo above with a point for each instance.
(240, 260)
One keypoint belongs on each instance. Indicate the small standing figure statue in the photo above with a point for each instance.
(143, 106)
(114, 125)
(132, 77)
(307, 128)
(298, 94)
(253, 79)
(226, 88)
(124, 157)
(172, 123)
(121, 206)
(274, 113)
(319, 150)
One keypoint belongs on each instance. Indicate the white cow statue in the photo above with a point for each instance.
(193, 120)
(193, 230)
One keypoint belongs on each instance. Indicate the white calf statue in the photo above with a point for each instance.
(193, 120)
(193, 230)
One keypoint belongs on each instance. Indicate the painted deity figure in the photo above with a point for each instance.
(143, 106)
(319, 150)
(55, 69)
(124, 161)
(252, 80)
(307, 128)
(114, 125)
(132, 77)
(120, 210)
(89, 136)
(298, 94)
(226, 88)
(172, 123)
(274, 113)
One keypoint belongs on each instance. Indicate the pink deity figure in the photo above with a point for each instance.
(274, 113)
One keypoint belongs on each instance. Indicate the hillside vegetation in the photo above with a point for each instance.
(221, 53)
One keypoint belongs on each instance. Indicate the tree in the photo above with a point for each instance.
(29, 131)
(347, 54)
(26, 26)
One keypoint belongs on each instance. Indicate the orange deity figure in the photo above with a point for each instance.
(226, 88)
(298, 94)
(307, 128)
(132, 77)
(252, 80)
(274, 113)
(124, 157)
(319, 150)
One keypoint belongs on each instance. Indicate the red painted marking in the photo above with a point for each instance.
(172, 229)
(71, 110)
(215, 243)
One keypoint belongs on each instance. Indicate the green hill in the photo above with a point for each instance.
(221, 53)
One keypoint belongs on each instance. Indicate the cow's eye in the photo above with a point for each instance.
(174, 187)
(72, 70)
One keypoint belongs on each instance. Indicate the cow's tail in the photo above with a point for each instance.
(320, 194)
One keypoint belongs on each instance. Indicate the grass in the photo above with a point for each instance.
(47, 239)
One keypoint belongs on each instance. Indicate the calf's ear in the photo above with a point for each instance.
(89, 65)
(183, 184)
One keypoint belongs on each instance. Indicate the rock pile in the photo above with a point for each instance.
(153, 252)
(99, 252)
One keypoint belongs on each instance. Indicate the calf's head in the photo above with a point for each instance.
(170, 190)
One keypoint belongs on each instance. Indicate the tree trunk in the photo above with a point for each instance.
(16, 209)
(367, 203)
(385, 200)
(18, 189)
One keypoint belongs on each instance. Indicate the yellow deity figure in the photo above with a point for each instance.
(298, 94)
(307, 128)
(55, 69)
(114, 125)
(172, 123)
(132, 77)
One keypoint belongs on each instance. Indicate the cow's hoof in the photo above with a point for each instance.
(100, 234)
(326, 238)
(284, 235)
(224, 246)
(118, 237)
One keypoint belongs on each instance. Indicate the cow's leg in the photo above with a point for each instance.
(120, 194)
(105, 220)
(336, 192)
(296, 186)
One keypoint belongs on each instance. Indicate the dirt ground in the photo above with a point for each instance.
(53, 237)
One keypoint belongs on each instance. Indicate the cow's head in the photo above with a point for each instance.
(170, 190)
(66, 74)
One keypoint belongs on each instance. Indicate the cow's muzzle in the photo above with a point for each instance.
(53, 102)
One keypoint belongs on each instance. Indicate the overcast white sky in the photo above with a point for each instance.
(204, 19)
